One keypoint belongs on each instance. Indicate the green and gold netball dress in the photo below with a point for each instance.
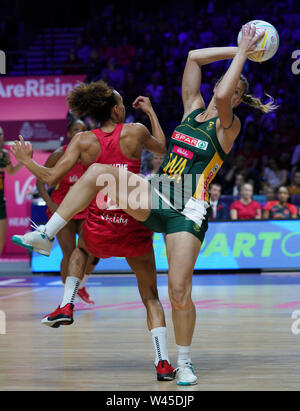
(4, 162)
(179, 190)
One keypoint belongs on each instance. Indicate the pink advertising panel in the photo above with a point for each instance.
(18, 203)
(35, 98)
(37, 130)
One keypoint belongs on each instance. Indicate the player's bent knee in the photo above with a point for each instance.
(95, 170)
(180, 300)
(182, 306)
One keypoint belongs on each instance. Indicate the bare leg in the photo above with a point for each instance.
(67, 241)
(145, 271)
(182, 252)
(86, 189)
(91, 265)
(3, 229)
(79, 259)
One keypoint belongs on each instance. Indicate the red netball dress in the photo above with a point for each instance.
(62, 188)
(112, 232)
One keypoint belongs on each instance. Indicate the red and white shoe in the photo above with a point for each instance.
(84, 296)
(165, 371)
(61, 316)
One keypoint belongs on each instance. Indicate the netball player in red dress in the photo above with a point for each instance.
(111, 232)
(67, 237)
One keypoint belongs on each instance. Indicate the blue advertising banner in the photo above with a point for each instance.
(228, 245)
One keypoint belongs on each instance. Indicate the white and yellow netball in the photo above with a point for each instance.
(270, 41)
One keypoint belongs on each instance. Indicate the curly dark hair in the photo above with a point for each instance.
(95, 99)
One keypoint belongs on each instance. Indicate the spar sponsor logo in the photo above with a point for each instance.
(195, 142)
(41, 87)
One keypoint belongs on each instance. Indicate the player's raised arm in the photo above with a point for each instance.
(49, 176)
(156, 142)
(192, 76)
(227, 87)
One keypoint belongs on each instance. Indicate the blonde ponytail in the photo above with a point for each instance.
(257, 103)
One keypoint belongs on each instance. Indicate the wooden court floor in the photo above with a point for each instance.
(244, 337)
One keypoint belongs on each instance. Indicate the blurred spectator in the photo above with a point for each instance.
(113, 74)
(280, 209)
(154, 161)
(94, 66)
(133, 88)
(125, 52)
(245, 208)
(249, 152)
(154, 90)
(294, 188)
(106, 50)
(83, 50)
(275, 176)
(73, 65)
(273, 146)
(239, 167)
(218, 207)
(296, 155)
(238, 183)
(269, 193)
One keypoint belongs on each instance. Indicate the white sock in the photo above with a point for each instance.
(184, 354)
(83, 281)
(159, 339)
(70, 290)
(54, 225)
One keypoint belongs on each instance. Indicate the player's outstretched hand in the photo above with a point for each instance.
(21, 150)
(250, 37)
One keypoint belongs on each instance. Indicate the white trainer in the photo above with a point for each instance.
(185, 374)
(36, 240)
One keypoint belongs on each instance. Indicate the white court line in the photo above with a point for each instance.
(13, 281)
(35, 290)
(54, 283)
(90, 283)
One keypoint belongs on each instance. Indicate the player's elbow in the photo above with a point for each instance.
(163, 149)
(190, 55)
(222, 97)
(50, 180)
(193, 55)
